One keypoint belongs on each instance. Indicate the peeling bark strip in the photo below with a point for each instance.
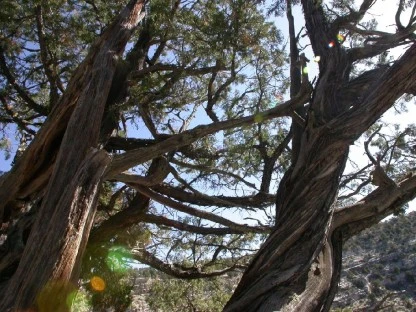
(52, 258)
(32, 171)
(70, 200)
(279, 277)
(280, 269)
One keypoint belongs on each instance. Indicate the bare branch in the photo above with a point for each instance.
(214, 170)
(160, 220)
(357, 190)
(354, 17)
(353, 176)
(146, 257)
(248, 202)
(398, 13)
(158, 171)
(196, 212)
(22, 123)
(380, 203)
(382, 43)
(382, 94)
(22, 93)
(134, 157)
(46, 62)
(213, 97)
(269, 163)
(129, 216)
(184, 71)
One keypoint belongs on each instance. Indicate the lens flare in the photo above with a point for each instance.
(97, 283)
(118, 259)
(331, 44)
(53, 296)
(78, 301)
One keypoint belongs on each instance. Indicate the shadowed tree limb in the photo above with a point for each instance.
(132, 158)
(177, 271)
(48, 65)
(370, 210)
(258, 200)
(196, 212)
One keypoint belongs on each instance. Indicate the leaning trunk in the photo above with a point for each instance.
(51, 259)
(47, 271)
(281, 276)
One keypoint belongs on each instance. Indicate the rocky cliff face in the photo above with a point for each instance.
(379, 268)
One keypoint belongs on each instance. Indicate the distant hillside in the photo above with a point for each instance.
(380, 264)
(379, 274)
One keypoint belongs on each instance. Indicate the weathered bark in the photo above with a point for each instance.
(279, 274)
(53, 252)
(324, 274)
(280, 268)
(297, 269)
(12, 249)
(31, 173)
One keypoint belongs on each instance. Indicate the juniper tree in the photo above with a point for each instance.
(191, 133)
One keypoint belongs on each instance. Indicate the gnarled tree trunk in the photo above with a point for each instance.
(51, 259)
(297, 268)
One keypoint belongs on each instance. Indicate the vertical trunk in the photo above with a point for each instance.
(32, 171)
(321, 280)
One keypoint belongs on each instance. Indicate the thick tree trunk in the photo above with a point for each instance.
(281, 276)
(297, 269)
(32, 171)
(51, 258)
(305, 205)
(55, 257)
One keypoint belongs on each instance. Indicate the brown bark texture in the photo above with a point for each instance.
(52, 257)
(298, 266)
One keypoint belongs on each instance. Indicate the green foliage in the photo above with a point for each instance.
(113, 272)
(5, 147)
(205, 62)
(112, 265)
(117, 293)
(207, 295)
